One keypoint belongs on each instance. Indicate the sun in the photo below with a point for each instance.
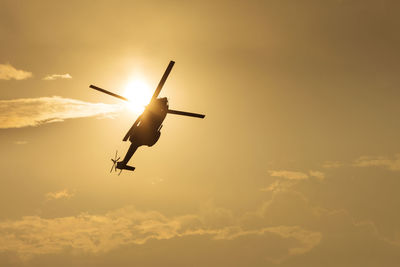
(139, 94)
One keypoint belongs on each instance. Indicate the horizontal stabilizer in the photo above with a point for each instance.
(184, 113)
(125, 167)
(129, 168)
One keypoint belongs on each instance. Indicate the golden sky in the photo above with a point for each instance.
(297, 162)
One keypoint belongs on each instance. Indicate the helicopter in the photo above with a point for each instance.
(146, 130)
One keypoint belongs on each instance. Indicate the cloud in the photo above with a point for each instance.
(391, 164)
(317, 174)
(304, 240)
(8, 72)
(53, 77)
(291, 175)
(21, 142)
(279, 186)
(17, 113)
(287, 229)
(332, 164)
(290, 178)
(307, 239)
(339, 230)
(63, 194)
(87, 233)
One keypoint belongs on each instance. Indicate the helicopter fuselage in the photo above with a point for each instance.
(147, 131)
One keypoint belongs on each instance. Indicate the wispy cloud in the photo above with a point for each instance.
(304, 240)
(294, 175)
(279, 186)
(52, 77)
(8, 72)
(62, 194)
(20, 142)
(17, 113)
(291, 175)
(33, 235)
(332, 164)
(317, 174)
(289, 179)
(389, 163)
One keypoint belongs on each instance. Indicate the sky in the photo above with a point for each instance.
(297, 162)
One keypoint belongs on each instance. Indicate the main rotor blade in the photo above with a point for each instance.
(184, 113)
(108, 92)
(163, 79)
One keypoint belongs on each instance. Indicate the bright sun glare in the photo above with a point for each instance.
(139, 94)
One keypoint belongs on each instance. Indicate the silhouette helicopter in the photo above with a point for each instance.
(146, 130)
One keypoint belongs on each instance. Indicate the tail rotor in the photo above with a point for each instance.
(115, 160)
